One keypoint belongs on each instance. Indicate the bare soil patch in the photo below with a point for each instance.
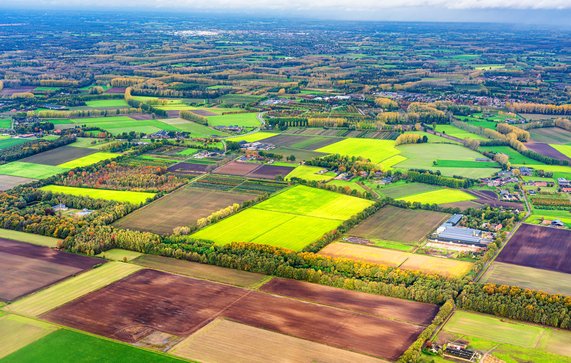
(60, 155)
(236, 168)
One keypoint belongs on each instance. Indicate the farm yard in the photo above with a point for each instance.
(292, 219)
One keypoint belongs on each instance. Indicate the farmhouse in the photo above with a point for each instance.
(449, 232)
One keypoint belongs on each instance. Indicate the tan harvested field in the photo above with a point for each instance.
(8, 182)
(552, 282)
(151, 303)
(360, 302)
(236, 168)
(398, 224)
(200, 271)
(228, 341)
(404, 260)
(181, 208)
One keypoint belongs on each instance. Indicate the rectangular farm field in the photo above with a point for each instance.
(59, 155)
(115, 195)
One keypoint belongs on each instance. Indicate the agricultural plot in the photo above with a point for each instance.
(182, 305)
(398, 224)
(508, 340)
(88, 142)
(300, 155)
(8, 182)
(30, 170)
(9, 142)
(270, 172)
(352, 185)
(292, 219)
(551, 135)
(111, 103)
(563, 149)
(248, 119)
(227, 341)
(72, 288)
(236, 168)
(180, 208)
(89, 160)
(16, 332)
(540, 247)
(115, 195)
(457, 132)
(190, 168)
(403, 189)
(301, 142)
(374, 150)
(119, 124)
(528, 277)
(538, 216)
(514, 156)
(549, 151)
(25, 268)
(200, 271)
(59, 155)
(193, 128)
(256, 136)
(440, 196)
(401, 259)
(65, 346)
(117, 254)
(311, 173)
(34, 239)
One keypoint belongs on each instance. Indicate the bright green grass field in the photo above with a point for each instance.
(292, 219)
(9, 142)
(374, 150)
(441, 196)
(457, 132)
(187, 152)
(392, 161)
(403, 189)
(256, 136)
(16, 332)
(195, 129)
(248, 119)
(30, 170)
(466, 164)
(563, 149)
(550, 214)
(118, 254)
(89, 160)
(107, 103)
(89, 142)
(116, 195)
(119, 124)
(515, 157)
(5, 123)
(72, 288)
(307, 172)
(35, 239)
(66, 346)
(433, 139)
(350, 184)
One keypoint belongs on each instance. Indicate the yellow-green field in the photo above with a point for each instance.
(372, 149)
(312, 173)
(28, 238)
(256, 136)
(117, 254)
(17, 331)
(89, 160)
(441, 196)
(116, 195)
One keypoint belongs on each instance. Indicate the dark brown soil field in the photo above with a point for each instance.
(150, 301)
(398, 224)
(173, 113)
(189, 168)
(236, 168)
(382, 306)
(180, 208)
(141, 116)
(547, 150)
(204, 113)
(147, 301)
(9, 182)
(301, 142)
(60, 155)
(488, 197)
(25, 268)
(11, 91)
(541, 247)
(115, 90)
(270, 172)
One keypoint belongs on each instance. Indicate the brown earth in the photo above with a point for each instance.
(25, 268)
(236, 168)
(8, 182)
(541, 247)
(204, 113)
(270, 172)
(59, 155)
(189, 168)
(547, 150)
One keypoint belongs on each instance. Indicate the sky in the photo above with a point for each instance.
(512, 11)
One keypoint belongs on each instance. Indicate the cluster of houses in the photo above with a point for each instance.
(61, 208)
(451, 232)
(257, 146)
(457, 351)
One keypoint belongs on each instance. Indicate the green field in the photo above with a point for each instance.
(193, 128)
(5, 123)
(30, 170)
(563, 149)
(117, 254)
(65, 346)
(347, 184)
(433, 139)
(116, 195)
(388, 164)
(9, 142)
(16, 332)
(441, 196)
(117, 103)
(187, 152)
(402, 189)
(256, 136)
(457, 132)
(374, 150)
(466, 164)
(292, 219)
(248, 119)
(72, 288)
(119, 124)
(307, 172)
(90, 142)
(89, 160)
(537, 215)
(509, 340)
(515, 157)
(35, 239)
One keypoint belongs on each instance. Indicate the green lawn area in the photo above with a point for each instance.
(403, 189)
(307, 172)
(89, 142)
(66, 346)
(478, 121)
(247, 119)
(116, 195)
(393, 245)
(5, 123)
(441, 196)
(30, 170)
(292, 219)
(515, 157)
(9, 142)
(457, 132)
(72, 288)
(118, 103)
(35, 239)
(372, 149)
(118, 254)
(256, 136)
(17, 331)
(187, 152)
(89, 160)
(549, 214)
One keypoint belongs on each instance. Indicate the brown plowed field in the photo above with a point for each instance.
(25, 268)
(382, 306)
(542, 247)
(150, 301)
(236, 168)
(189, 168)
(9, 182)
(547, 150)
(59, 155)
(270, 172)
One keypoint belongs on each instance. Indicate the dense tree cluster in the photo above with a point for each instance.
(344, 163)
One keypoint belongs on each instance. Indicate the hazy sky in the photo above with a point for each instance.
(514, 11)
